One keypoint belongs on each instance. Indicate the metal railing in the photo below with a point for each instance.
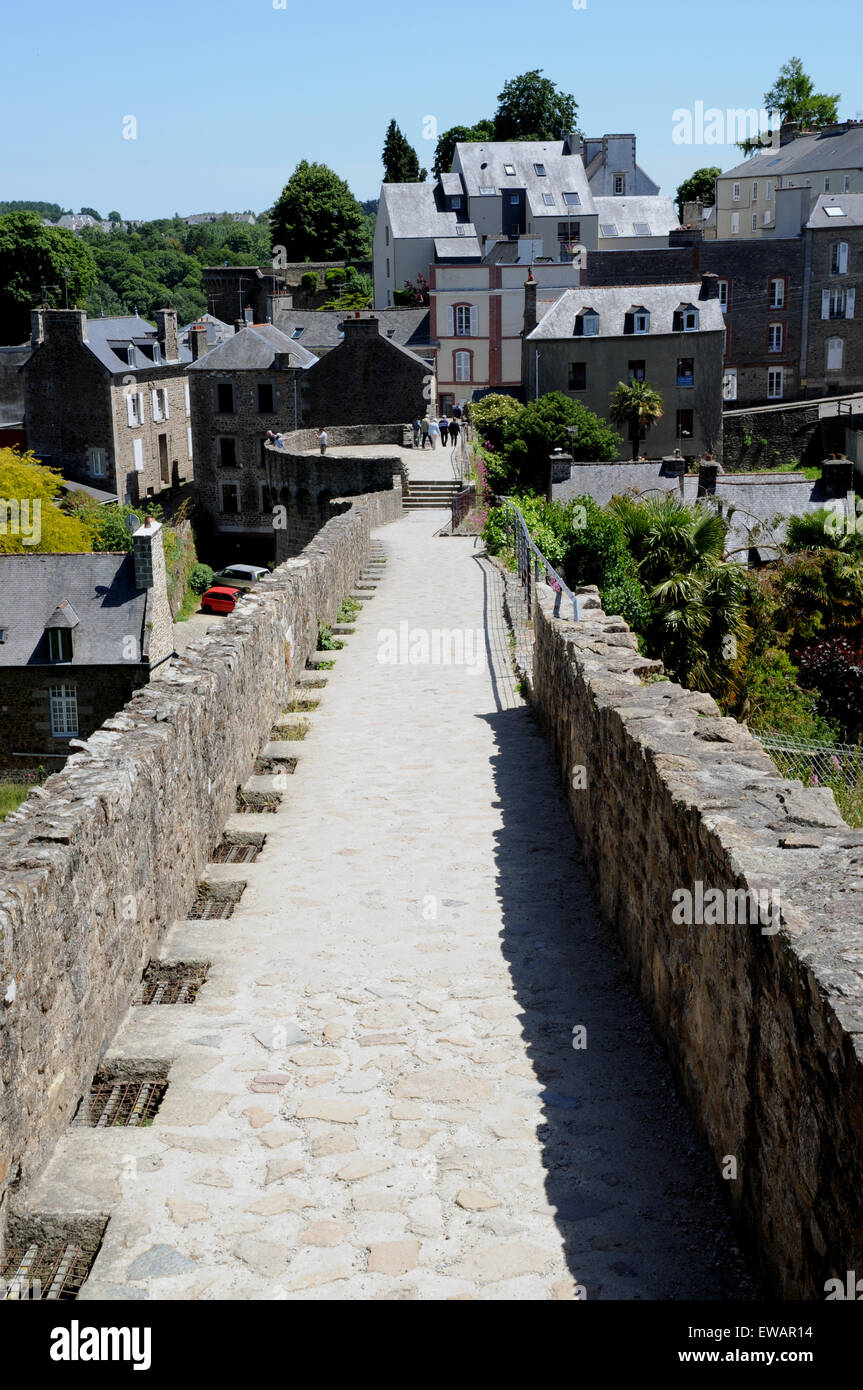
(532, 563)
(461, 504)
(816, 764)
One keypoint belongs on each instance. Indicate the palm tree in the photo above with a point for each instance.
(637, 406)
(699, 600)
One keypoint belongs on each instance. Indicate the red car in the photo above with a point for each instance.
(219, 599)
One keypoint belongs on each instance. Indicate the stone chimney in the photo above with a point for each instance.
(709, 285)
(64, 325)
(530, 316)
(788, 131)
(572, 143)
(166, 334)
(149, 559)
(239, 325)
(37, 327)
(358, 329)
(198, 340)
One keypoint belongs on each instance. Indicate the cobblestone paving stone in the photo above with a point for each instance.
(376, 1094)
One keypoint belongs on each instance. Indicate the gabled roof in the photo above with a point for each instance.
(254, 348)
(483, 165)
(417, 210)
(104, 336)
(833, 148)
(321, 328)
(837, 210)
(461, 248)
(658, 214)
(98, 589)
(613, 303)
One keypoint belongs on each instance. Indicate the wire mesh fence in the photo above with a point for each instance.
(838, 766)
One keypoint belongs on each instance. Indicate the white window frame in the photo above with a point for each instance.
(590, 325)
(138, 455)
(57, 636)
(846, 182)
(775, 379)
(189, 440)
(832, 344)
(735, 193)
(641, 322)
(186, 395)
(839, 258)
(775, 337)
(156, 404)
(462, 365)
(755, 191)
(827, 183)
(768, 191)
(729, 384)
(465, 318)
(619, 191)
(690, 320)
(723, 295)
(776, 297)
(96, 460)
(735, 223)
(63, 707)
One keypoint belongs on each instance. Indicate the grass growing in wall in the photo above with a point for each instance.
(11, 796)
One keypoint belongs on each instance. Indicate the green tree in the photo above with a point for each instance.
(114, 217)
(39, 265)
(91, 212)
(531, 107)
(637, 406)
(793, 95)
(698, 626)
(699, 187)
(490, 415)
(52, 212)
(23, 479)
(537, 430)
(458, 135)
(318, 218)
(400, 161)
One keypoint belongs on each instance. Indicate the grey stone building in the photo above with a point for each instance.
(368, 379)
(832, 352)
(105, 401)
(78, 635)
(321, 330)
(239, 390)
(667, 335)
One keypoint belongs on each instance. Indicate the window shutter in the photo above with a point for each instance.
(450, 322)
(130, 409)
(141, 407)
(154, 403)
(843, 257)
(849, 304)
(165, 408)
(474, 321)
(186, 392)
(825, 304)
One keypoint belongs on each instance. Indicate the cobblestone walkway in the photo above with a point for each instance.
(376, 1094)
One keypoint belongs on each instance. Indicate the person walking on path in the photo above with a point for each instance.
(454, 428)
(416, 429)
(424, 430)
(444, 430)
(322, 440)
(434, 433)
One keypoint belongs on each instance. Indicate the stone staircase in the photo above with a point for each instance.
(432, 492)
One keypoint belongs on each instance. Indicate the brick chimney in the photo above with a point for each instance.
(709, 285)
(166, 334)
(149, 559)
(530, 317)
(198, 340)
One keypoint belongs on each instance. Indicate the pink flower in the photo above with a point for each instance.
(815, 781)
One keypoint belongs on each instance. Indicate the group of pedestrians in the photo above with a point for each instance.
(446, 430)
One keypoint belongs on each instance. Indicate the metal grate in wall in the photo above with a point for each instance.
(54, 1269)
(170, 984)
(226, 853)
(121, 1103)
(204, 908)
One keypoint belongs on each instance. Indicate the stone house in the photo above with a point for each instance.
(105, 401)
(832, 362)
(368, 379)
(79, 633)
(239, 390)
(667, 335)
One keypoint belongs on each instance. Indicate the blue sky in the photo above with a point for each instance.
(229, 94)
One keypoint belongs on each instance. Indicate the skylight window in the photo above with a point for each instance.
(539, 170)
(835, 212)
(298, 332)
(641, 228)
(509, 169)
(608, 228)
(548, 199)
(486, 191)
(459, 231)
(572, 200)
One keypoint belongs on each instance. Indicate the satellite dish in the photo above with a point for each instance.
(133, 523)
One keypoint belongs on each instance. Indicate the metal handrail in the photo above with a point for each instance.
(529, 558)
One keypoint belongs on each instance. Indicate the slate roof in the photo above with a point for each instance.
(217, 330)
(461, 248)
(612, 303)
(657, 212)
(416, 210)
(808, 154)
(100, 589)
(321, 327)
(849, 205)
(483, 164)
(104, 336)
(254, 348)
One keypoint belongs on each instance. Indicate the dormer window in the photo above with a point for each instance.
(587, 324)
(59, 645)
(619, 184)
(685, 319)
(539, 170)
(640, 321)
